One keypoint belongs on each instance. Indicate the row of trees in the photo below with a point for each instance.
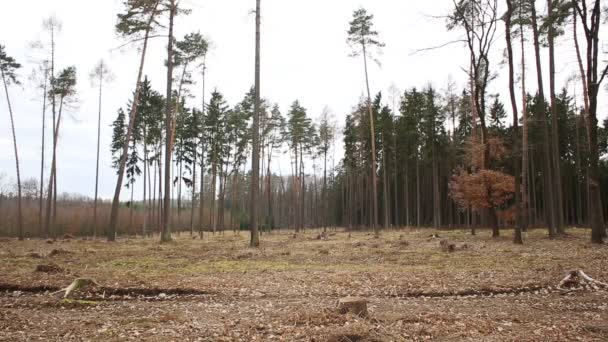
(427, 157)
(551, 169)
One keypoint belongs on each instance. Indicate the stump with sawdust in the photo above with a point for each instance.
(356, 306)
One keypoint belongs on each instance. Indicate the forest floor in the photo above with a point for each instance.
(217, 289)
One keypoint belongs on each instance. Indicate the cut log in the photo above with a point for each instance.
(356, 306)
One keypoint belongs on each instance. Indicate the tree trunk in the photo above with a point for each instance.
(598, 231)
(130, 228)
(255, 163)
(557, 177)
(48, 222)
(385, 188)
(193, 203)
(111, 233)
(97, 158)
(166, 228)
(548, 188)
(373, 141)
(41, 199)
(202, 143)
(325, 199)
(418, 195)
(525, 202)
(10, 111)
(212, 215)
(516, 150)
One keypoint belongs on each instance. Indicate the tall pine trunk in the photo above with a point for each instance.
(97, 158)
(255, 163)
(557, 174)
(10, 111)
(111, 232)
(41, 196)
(374, 181)
(166, 227)
(517, 238)
(549, 195)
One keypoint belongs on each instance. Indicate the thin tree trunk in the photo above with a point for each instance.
(10, 111)
(373, 141)
(325, 199)
(41, 198)
(516, 148)
(557, 177)
(525, 202)
(97, 159)
(385, 186)
(418, 195)
(598, 231)
(146, 172)
(193, 204)
(395, 184)
(130, 229)
(48, 222)
(52, 192)
(166, 228)
(213, 216)
(111, 233)
(255, 163)
(202, 143)
(547, 173)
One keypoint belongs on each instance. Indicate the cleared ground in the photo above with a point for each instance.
(217, 289)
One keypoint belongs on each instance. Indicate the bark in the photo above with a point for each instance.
(202, 143)
(557, 179)
(593, 79)
(10, 111)
(525, 202)
(97, 159)
(41, 199)
(193, 204)
(212, 215)
(48, 225)
(385, 190)
(146, 171)
(166, 227)
(550, 216)
(516, 148)
(52, 192)
(325, 199)
(255, 164)
(373, 151)
(418, 195)
(111, 233)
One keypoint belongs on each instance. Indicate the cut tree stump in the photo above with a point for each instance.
(356, 306)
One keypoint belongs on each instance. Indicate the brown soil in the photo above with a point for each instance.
(217, 289)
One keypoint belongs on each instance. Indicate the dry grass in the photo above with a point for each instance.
(287, 289)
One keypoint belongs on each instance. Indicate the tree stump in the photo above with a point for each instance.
(356, 306)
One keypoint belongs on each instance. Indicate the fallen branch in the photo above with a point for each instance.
(78, 283)
(578, 278)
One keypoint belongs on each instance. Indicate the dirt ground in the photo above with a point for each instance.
(217, 289)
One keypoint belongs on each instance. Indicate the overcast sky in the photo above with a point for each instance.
(304, 57)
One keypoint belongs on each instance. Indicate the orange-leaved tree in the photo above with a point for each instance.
(480, 188)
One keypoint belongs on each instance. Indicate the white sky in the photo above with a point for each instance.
(304, 56)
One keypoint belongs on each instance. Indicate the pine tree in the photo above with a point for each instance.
(8, 68)
(362, 39)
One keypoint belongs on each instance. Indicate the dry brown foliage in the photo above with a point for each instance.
(483, 189)
(475, 150)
